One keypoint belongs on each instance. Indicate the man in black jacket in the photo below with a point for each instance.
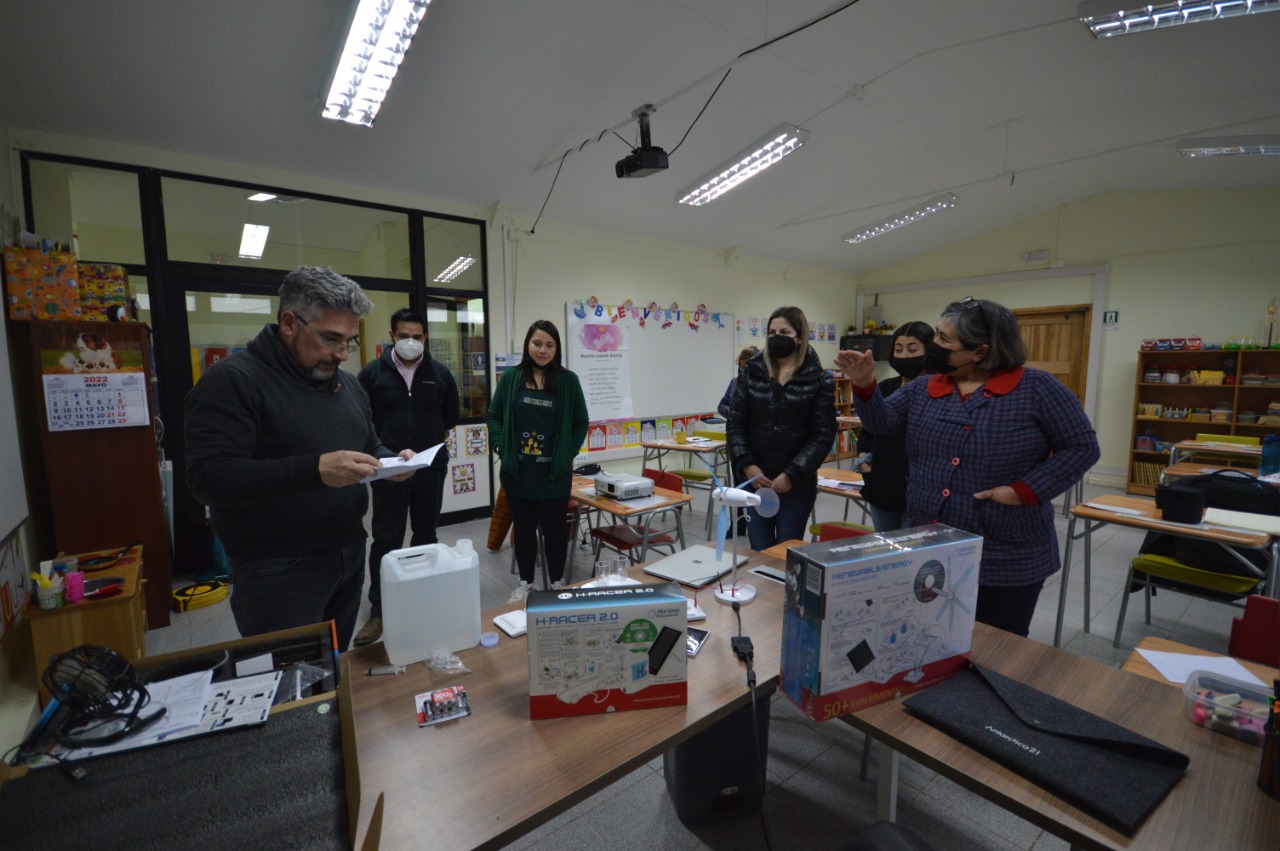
(415, 405)
(278, 439)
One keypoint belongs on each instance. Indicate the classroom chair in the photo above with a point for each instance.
(653, 531)
(1255, 635)
(1148, 571)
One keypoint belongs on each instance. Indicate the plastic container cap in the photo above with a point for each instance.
(489, 638)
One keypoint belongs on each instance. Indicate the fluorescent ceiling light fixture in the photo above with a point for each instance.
(944, 201)
(1229, 146)
(1106, 18)
(376, 43)
(456, 268)
(262, 196)
(746, 165)
(253, 240)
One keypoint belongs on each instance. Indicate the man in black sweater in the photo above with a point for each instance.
(278, 439)
(415, 404)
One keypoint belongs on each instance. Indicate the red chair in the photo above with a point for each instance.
(1255, 635)
(653, 531)
(833, 531)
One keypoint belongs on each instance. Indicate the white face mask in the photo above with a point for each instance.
(409, 349)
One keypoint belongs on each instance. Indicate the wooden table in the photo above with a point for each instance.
(1216, 805)
(1187, 449)
(1138, 664)
(632, 510)
(118, 622)
(1182, 469)
(487, 779)
(659, 449)
(1138, 512)
(850, 494)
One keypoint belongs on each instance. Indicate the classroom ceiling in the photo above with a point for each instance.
(1012, 106)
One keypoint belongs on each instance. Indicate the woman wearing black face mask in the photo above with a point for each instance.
(884, 486)
(782, 421)
(991, 442)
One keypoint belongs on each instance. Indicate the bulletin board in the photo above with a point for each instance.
(643, 362)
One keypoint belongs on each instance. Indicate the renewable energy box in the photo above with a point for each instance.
(871, 618)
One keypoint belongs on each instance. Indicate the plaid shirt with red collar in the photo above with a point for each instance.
(1023, 428)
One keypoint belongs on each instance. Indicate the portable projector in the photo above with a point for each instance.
(623, 486)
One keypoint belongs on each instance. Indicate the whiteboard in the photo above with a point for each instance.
(13, 489)
(669, 362)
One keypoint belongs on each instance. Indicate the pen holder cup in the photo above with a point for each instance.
(682, 436)
(48, 598)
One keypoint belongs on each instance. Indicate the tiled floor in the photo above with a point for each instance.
(815, 798)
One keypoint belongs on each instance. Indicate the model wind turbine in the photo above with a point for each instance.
(732, 500)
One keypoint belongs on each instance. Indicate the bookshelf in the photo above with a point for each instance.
(1165, 412)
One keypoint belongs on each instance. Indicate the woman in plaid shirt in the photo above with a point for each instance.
(990, 444)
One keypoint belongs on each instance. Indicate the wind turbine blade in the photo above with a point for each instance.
(769, 502)
(722, 530)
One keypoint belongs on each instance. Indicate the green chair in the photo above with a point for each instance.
(1159, 571)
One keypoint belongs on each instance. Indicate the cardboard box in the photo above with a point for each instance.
(595, 650)
(872, 618)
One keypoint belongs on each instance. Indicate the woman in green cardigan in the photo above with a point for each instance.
(537, 422)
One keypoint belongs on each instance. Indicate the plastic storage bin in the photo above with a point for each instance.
(430, 601)
(1226, 706)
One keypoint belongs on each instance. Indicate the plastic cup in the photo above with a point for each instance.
(618, 570)
(48, 598)
(603, 568)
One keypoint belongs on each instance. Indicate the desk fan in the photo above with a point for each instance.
(104, 695)
(766, 504)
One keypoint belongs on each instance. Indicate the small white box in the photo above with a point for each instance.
(871, 618)
(605, 649)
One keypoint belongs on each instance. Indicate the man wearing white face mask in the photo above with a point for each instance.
(414, 400)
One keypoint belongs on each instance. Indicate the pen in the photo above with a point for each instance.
(384, 669)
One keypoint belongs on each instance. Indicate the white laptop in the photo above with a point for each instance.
(695, 566)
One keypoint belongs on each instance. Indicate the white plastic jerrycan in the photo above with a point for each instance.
(430, 601)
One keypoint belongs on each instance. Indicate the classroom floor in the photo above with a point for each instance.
(815, 798)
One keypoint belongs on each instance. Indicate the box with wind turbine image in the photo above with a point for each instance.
(872, 618)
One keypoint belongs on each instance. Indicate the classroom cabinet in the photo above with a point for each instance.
(846, 433)
(1179, 394)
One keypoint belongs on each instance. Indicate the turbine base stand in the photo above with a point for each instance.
(740, 593)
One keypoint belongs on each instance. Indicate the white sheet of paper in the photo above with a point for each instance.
(255, 665)
(1243, 520)
(396, 466)
(1176, 667)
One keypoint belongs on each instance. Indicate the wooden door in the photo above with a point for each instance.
(1058, 342)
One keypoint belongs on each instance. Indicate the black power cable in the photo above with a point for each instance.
(740, 56)
(744, 650)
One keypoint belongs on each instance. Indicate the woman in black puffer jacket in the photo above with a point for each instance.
(782, 422)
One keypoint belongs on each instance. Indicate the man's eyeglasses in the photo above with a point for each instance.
(334, 344)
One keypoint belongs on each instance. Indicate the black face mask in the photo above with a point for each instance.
(780, 346)
(938, 359)
(908, 367)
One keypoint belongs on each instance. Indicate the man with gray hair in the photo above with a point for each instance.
(278, 439)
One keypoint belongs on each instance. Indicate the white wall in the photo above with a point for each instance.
(1198, 262)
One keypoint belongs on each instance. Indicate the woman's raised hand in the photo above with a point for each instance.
(860, 366)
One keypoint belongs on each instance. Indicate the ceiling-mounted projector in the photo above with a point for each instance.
(646, 159)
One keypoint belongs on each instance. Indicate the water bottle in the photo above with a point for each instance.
(1270, 455)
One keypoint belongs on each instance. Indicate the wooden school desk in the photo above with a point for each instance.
(1216, 805)
(633, 511)
(1185, 450)
(712, 451)
(1171, 474)
(852, 494)
(485, 780)
(1138, 664)
(1138, 512)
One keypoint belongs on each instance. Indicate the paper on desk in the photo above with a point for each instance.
(183, 701)
(838, 484)
(1114, 508)
(396, 466)
(1176, 667)
(643, 501)
(1243, 520)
